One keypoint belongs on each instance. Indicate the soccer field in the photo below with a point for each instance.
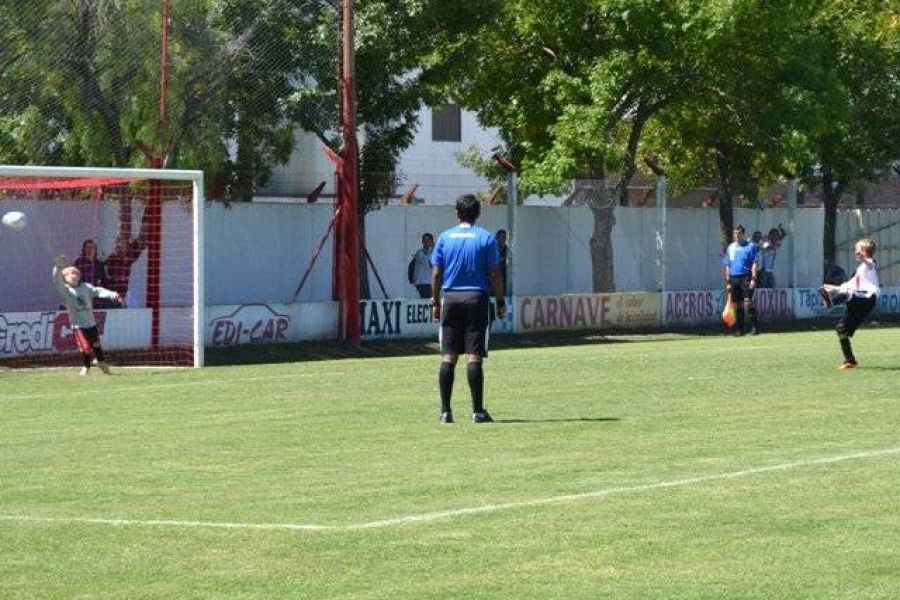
(639, 467)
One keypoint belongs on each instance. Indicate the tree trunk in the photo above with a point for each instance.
(726, 196)
(602, 263)
(830, 196)
(594, 194)
(244, 173)
(630, 166)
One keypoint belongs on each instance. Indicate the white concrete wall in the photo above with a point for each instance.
(430, 164)
(257, 253)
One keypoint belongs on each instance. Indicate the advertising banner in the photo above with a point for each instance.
(387, 319)
(588, 311)
(694, 308)
(888, 301)
(49, 331)
(774, 304)
(808, 304)
(239, 324)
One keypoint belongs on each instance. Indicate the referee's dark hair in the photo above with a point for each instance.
(468, 208)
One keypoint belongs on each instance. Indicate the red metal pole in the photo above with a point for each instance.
(350, 180)
(164, 79)
(154, 194)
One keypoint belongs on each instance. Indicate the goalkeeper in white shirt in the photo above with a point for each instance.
(860, 293)
(78, 296)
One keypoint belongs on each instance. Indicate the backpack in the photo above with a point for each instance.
(411, 270)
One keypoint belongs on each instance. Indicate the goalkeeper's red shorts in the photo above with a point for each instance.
(86, 338)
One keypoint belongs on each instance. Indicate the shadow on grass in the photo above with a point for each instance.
(335, 350)
(571, 420)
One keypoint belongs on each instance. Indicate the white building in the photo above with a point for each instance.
(429, 163)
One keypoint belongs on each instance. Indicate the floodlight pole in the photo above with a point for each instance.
(663, 224)
(792, 228)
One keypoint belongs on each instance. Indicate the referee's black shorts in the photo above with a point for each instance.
(465, 322)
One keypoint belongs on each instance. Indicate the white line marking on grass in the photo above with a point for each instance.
(70, 393)
(459, 512)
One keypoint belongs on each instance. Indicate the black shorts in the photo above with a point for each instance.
(741, 290)
(86, 338)
(465, 323)
(857, 311)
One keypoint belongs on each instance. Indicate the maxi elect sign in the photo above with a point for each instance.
(408, 319)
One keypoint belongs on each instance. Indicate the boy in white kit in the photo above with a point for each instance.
(78, 297)
(860, 293)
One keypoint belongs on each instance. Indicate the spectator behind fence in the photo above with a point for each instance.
(768, 254)
(504, 256)
(419, 269)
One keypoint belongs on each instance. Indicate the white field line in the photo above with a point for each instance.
(459, 512)
(231, 381)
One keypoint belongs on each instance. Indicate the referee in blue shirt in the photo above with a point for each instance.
(741, 276)
(466, 264)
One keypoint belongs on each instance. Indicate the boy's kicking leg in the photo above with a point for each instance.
(857, 310)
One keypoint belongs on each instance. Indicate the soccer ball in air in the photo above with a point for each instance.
(15, 220)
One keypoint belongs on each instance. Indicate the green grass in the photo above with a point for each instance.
(661, 437)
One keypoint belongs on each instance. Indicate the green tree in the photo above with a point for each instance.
(70, 73)
(572, 86)
(81, 82)
(737, 127)
(854, 137)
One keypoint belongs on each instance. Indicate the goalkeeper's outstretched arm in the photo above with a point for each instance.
(61, 263)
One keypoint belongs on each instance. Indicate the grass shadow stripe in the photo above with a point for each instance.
(460, 512)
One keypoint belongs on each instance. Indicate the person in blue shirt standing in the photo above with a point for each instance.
(466, 266)
(741, 277)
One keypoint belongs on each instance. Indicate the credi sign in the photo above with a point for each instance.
(50, 331)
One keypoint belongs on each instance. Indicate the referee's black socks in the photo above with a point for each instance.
(445, 380)
(476, 383)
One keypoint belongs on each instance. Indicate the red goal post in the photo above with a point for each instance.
(146, 230)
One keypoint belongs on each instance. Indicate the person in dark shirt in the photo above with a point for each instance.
(504, 256)
(119, 263)
(93, 271)
(89, 264)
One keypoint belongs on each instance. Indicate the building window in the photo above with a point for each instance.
(446, 123)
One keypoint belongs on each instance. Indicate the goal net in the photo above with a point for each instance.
(137, 232)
